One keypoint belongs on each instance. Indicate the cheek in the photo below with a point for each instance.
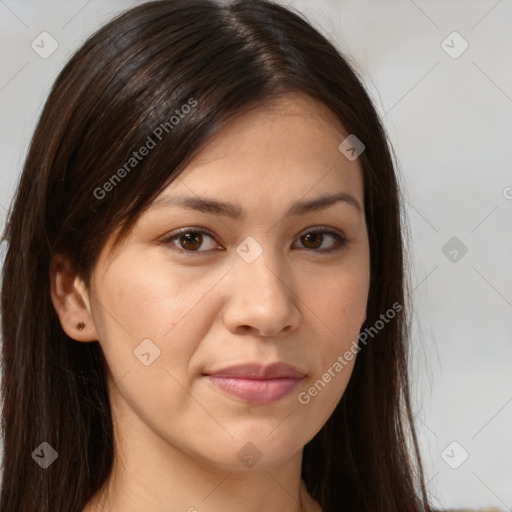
(140, 300)
(154, 300)
(150, 323)
(340, 307)
(340, 302)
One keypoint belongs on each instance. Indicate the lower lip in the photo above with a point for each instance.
(256, 391)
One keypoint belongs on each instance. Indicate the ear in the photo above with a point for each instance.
(70, 299)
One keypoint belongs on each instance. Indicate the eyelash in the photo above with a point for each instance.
(341, 241)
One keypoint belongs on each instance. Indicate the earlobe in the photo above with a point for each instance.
(70, 300)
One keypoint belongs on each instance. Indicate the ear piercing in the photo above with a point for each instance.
(80, 326)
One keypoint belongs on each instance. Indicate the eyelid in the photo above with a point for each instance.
(322, 229)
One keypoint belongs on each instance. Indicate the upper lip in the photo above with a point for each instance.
(258, 371)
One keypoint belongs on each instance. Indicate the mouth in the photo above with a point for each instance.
(257, 384)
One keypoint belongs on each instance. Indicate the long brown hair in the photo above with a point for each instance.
(127, 79)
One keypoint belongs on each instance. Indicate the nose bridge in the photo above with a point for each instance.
(261, 297)
(260, 261)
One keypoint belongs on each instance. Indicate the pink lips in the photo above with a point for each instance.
(257, 384)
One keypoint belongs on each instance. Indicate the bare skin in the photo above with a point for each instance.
(181, 442)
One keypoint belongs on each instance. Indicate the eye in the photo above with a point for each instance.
(314, 238)
(190, 240)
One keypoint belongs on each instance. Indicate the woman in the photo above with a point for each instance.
(203, 302)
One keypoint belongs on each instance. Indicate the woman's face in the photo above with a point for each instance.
(192, 325)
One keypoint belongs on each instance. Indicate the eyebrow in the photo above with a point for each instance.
(234, 211)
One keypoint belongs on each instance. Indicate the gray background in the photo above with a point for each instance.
(450, 121)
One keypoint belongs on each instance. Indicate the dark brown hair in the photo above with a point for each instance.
(127, 79)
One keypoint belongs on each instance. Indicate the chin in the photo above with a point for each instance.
(251, 451)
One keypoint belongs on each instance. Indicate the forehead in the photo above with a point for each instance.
(306, 125)
(289, 146)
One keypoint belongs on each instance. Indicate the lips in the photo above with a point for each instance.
(255, 383)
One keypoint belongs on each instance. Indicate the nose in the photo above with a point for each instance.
(262, 300)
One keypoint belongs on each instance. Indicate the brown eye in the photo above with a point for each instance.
(314, 239)
(191, 240)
